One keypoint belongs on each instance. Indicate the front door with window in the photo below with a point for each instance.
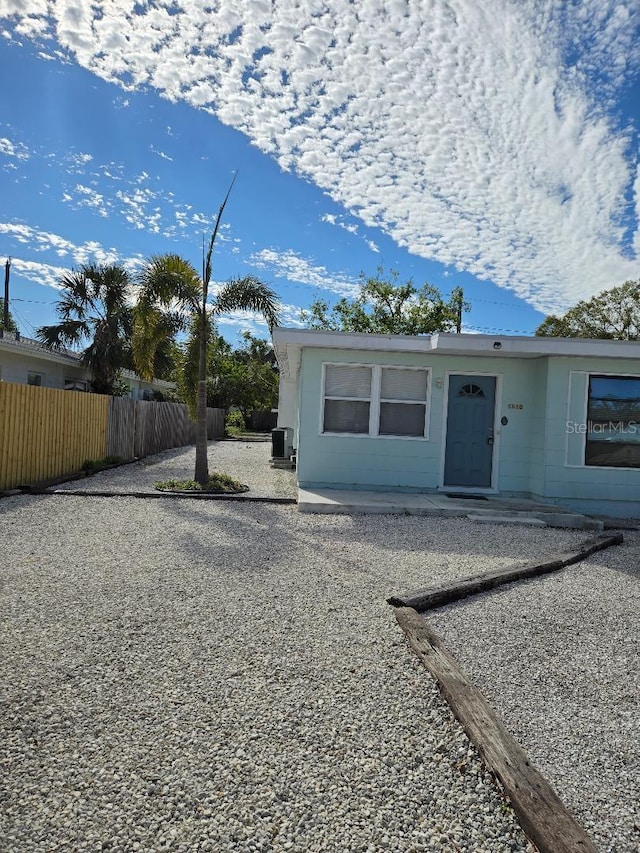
(469, 442)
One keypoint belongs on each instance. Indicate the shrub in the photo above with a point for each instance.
(234, 424)
(218, 484)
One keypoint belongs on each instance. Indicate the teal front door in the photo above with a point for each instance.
(468, 454)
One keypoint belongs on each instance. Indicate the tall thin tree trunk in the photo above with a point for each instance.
(202, 464)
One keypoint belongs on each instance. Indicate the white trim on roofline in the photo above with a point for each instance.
(9, 342)
(288, 344)
(29, 347)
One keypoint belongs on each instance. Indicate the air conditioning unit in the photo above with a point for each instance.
(282, 442)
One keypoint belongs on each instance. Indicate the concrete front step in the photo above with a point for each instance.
(515, 518)
(352, 502)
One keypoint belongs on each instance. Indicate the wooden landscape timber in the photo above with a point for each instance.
(542, 815)
(435, 596)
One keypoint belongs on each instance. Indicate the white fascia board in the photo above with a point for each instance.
(534, 347)
(290, 341)
(320, 338)
(33, 350)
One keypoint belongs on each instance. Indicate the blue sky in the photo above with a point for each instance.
(488, 145)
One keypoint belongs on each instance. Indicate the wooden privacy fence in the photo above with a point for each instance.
(139, 428)
(47, 433)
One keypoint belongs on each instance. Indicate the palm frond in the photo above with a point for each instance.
(206, 272)
(147, 332)
(64, 335)
(167, 281)
(248, 294)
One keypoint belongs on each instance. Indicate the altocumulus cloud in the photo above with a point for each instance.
(288, 264)
(77, 253)
(482, 136)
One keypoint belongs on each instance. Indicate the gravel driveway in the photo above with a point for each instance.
(182, 676)
(246, 461)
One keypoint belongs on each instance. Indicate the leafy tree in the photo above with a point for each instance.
(13, 326)
(612, 314)
(257, 376)
(94, 311)
(174, 295)
(245, 378)
(387, 307)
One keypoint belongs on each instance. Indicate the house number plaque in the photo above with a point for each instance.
(515, 406)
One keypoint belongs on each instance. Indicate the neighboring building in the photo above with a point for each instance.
(554, 419)
(28, 362)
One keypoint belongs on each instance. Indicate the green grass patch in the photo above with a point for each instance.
(218, 484)
(91, 466)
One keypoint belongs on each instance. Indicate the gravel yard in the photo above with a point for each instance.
(246, 461)
(196, 675)
(557, 657)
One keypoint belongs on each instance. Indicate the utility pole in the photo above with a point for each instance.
(7, 272)
(460, 299)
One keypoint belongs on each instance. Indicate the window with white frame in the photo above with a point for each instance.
(347, 398)
(375, 400)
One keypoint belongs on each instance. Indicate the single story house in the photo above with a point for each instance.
(553, 419)
(28, 362)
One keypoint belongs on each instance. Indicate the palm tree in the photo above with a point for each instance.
(94, 309)
(172, 297)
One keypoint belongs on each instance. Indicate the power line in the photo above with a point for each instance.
(24, 321)
(34, 301)
(502, 331)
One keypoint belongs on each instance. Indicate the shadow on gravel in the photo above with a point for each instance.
(270, 535)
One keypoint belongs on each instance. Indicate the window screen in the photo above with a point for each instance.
(400, 384)
(403, 406)
(347, 381)
(346, 416)
(353, 404)
(347, 404)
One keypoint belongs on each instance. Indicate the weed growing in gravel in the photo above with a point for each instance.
(93, 465)
(218, 484)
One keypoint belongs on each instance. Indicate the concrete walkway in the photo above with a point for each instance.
(248, 462)
(491, 510)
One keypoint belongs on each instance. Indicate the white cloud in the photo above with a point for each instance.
(47, 275)
(88, 197)
(140, 201)
(73, 254)
(349, 227)
(294, 268)
(161, 154)
(485, 137)
(78, 162)
(250, 321)
(13, 149)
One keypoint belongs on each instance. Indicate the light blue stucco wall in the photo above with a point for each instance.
(361, 462)
(535, 453)
(567, 480)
